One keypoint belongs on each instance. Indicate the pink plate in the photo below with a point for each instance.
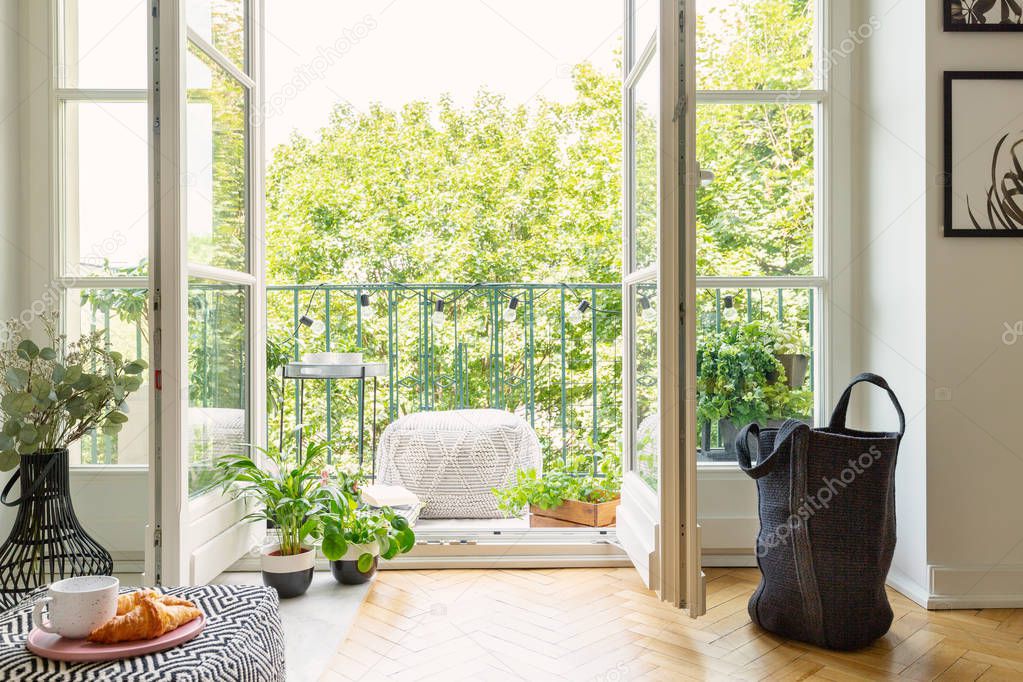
(59, 649)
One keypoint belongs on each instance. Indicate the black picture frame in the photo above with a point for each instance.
(950, 229)
(995, 27)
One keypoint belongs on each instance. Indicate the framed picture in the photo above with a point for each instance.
(983, 15)
(983, 154)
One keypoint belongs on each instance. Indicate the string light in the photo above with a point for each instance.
(730, 313)
(648, 312)
(438, 313)
(509, 313)
(576, 316)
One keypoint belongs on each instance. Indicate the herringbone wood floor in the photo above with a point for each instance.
(601, 624)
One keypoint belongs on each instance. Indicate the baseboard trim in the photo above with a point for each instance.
(907, 587)
(975, 586)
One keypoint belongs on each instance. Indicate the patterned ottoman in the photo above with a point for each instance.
(454, 459)
(242, 642)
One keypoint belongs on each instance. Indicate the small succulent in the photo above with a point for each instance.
(52, 395)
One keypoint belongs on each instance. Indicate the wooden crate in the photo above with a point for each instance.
(572, 513)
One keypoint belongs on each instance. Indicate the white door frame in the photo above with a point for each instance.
(197, 538)
(658, 530)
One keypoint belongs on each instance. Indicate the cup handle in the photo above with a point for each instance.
(38, 619)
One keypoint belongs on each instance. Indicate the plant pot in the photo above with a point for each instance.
(346, 569)
(795, 365)
(573, 514)
(47, 542)
(289, 574)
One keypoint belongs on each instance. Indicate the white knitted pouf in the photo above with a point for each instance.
(452, 460)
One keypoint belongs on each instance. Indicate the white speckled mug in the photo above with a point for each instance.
(77, 605)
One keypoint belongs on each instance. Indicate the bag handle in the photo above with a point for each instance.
(842, 406)
(766, 464)
(32, 489)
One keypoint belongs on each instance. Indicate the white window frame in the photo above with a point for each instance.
(831, 332)
(62, 273)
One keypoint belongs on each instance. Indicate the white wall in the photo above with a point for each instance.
(111, 506)
(890, 184)
(930, 314)
(11, 255)
(975, 456)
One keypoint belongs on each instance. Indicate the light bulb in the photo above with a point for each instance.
(576, 316)
(438, 313)
(509, 313)
(730, 313)
(648, 312)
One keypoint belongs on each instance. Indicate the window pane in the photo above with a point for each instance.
(217, 178)
(644, 14)
(757, 216)
(645, 419)
(754, 44)
(645, 106)
(218, 351)
(122, 316)
(753, 363)
(104, 44)
(105, 200)
(222, 24)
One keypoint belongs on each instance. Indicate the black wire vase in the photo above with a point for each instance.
(47, 542)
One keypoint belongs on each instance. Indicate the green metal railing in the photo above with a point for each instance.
(564, 378)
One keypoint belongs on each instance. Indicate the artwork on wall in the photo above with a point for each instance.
(983, 15)
(983, 154)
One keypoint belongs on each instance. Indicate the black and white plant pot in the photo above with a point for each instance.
(346, 569)
(290, 574)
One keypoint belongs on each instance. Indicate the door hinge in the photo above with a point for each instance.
(157, 537)
(156, 8)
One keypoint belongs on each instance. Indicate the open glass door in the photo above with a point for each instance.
(210, 298)
(657, 518)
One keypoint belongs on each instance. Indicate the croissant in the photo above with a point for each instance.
(127, 602)
(150, 619)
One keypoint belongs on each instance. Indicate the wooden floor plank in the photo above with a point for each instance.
(602, 624)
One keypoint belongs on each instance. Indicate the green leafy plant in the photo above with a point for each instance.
(559, 484)
(52, 395)
(292, 491)
(349, 524)
(741, 379)
(789, 341)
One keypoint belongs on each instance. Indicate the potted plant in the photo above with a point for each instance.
(356, 536)
(292, 494)
(789, 349)
(563, 497)
(740, 379)
(50, 397)
(355, 546)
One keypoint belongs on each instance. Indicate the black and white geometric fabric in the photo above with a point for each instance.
(242, 642)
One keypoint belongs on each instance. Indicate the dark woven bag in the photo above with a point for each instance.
(827, 526)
